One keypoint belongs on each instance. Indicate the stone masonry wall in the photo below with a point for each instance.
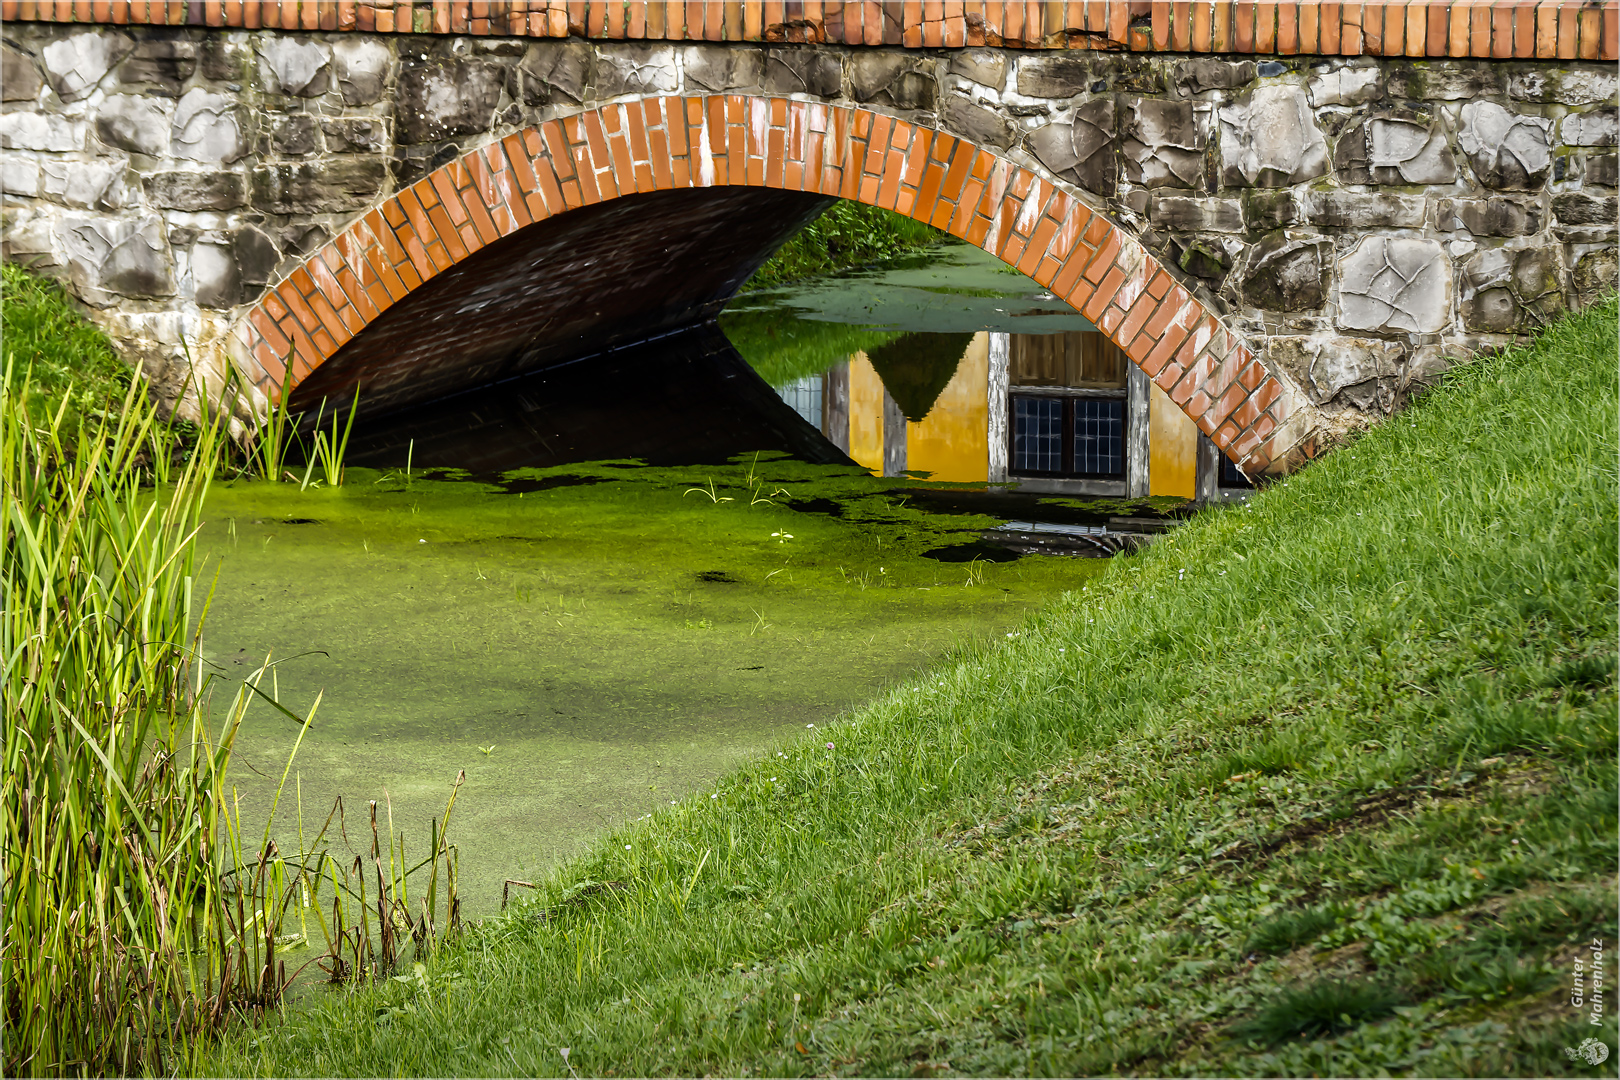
(1361, 222)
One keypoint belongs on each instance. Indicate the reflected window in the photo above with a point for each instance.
(1037, 435)
(804, 396)
(1099, 437)
(1068, 405)
(1232, 476)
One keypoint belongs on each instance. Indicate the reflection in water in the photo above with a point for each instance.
(952, 366)
(687, 398)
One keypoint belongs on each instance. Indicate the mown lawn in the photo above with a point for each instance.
(1321, 784)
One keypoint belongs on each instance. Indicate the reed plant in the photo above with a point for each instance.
(113, 778)
(138, 921)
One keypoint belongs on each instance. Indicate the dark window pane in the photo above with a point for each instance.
(1037, 435)
(1231, 475)
(1099, 437)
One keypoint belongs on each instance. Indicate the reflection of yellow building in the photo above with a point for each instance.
(1060, 413)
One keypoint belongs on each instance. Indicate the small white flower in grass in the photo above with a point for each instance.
(773, 780)
(627, 847)
(421, 541)
(830, 746)
(809, 725)
(716, 795)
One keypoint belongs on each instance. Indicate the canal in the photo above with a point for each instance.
(595, 588)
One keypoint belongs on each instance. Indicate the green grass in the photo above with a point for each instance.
(1383, 688)
(63, 356)
(848, 234)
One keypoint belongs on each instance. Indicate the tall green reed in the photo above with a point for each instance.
(137, 922)
(113, 776)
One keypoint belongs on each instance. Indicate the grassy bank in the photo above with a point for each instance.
(1325, 784)
(65, 359)
(849, 234)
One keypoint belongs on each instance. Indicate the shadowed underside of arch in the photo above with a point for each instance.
(631, 219)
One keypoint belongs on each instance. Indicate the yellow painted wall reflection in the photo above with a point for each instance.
(950, 443)
(1172, 448)
(865, 414)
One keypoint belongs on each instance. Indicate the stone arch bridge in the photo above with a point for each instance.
(1288, 215)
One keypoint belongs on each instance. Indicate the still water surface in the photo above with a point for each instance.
(590, 641)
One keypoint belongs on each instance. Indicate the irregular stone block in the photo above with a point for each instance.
(803, 71)
(159, 66)
(1348, 209)
(980, 126)
(1596, 128)
(987, 67)
(196, 191)
(40, 131)
(1579, 208)
(29, 239)
(1394, 150)
(86, 185)
(138, 124)
(1201, 258)
(293, 66)
(438, 99)
(1082, 151)
(889, 78)
(109, 255)
(75, 65)
(256, 256)
(1284, 273)
(293, 136)
(19, 174)
(20, 80)
(1184, 213)
(1442, 80)
(719, 67)
(553, 71)
(208, 127)
(356, 136)
(1395, 285)
(1597, 273)
(1056, 75)
(1566, 86)
(1325, 367)
(1265, 211)
(1352, 85)
(1489, 217)
(319, 187)
(1204, 73)
(360, 65)
(216, 281)
(1269, 138)
(635, 69)
(1502, 291)
(1602, 169)
(1506, 149)
(1164, 143)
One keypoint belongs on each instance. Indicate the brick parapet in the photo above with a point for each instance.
(1479, 29)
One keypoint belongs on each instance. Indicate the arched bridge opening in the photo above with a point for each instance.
(633, 219)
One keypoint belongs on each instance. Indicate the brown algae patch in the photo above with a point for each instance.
(585, 651)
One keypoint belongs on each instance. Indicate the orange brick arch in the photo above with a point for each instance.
(670, 143)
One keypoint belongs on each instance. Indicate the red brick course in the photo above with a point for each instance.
(773, 142)
(1549, 29)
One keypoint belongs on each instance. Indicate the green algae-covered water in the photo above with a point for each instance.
(587, 642)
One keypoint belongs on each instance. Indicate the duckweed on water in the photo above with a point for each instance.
(588, 642)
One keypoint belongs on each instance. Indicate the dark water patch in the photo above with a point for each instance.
(685, 399)
(972, 551)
